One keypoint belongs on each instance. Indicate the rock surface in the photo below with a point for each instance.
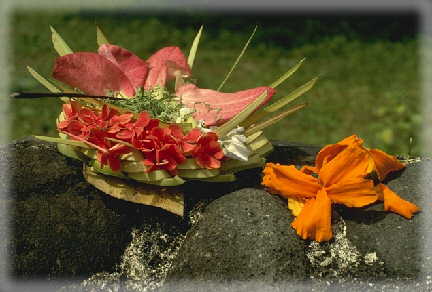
(60, 226)
(396, 241)
(243, 236)
(64, 228)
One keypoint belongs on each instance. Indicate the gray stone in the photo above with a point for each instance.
(394, 243)
(243, 236)
(62, 227)
(34, 166)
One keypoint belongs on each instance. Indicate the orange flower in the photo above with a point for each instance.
(379, 162)
(339, 176)
(340, 181)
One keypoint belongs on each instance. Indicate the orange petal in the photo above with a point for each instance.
(395, 204)
(353, 162)
(385, 163)
(329, 152)
(354, 193)
(295, 205)
(314, 221)
(288, 181)
(351, 140)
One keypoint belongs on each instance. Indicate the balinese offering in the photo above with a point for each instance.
(143, 126)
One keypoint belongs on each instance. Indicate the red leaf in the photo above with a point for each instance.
(91, 73)
(132, 66)
(229, 104)
(163, 65)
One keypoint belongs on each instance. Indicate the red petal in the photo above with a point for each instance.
(176, 131)
(121, 119)
(124, 135)
(163, 64)
(193, 135)
(68, 110)
(143, 120)
(114, 162)
(132, 66)
(91, 73)
(229, 104)
(187, 148)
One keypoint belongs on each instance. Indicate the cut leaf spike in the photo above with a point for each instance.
(290, 97)
(237, 60)
(274, 119)
(48, 85)
(280, 103)
(63, 141)
(287, 74)
(100, 37)
(194, 47)
(60, 45)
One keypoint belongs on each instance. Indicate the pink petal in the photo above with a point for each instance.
(132, 66)
(204, 112)
(91, 73)
(163, 65)
(229, 104)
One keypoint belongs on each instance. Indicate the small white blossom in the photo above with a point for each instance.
(234, 145)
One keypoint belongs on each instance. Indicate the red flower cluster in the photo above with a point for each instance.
(162, 147)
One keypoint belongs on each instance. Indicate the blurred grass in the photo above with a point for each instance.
(369, 86)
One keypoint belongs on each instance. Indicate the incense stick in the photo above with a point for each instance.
(60, 94)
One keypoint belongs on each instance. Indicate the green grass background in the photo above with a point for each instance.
(368, 67)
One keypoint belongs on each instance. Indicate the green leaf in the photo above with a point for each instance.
(63, 141)
(290, 97)
(100, 37)
(106, 169)
(197, 173)
(274, 119)
(51, 87)
(59, 44)
(287, 74)
(237, 60)
(264, 150)
(68, 151)
(171, 181)
(241, 116)
(281, 102)
(194, 47)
